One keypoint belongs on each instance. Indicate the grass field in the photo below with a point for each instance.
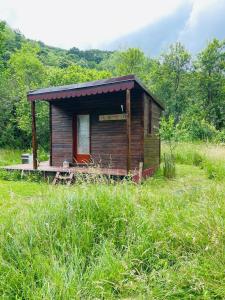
(163, 239)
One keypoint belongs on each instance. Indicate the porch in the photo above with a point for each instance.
(45, 168)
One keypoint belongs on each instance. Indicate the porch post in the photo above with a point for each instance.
(50, 133)
(34, 135)
(128, 119)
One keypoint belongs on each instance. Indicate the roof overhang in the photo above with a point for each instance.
(90, 88)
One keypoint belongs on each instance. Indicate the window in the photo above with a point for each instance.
(83, 131)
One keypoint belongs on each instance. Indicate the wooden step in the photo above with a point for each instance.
(63, 178)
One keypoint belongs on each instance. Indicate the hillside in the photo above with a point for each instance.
(53, 56)
(192, 88)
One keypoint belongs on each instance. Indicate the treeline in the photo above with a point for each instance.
(192, 88)
(26, 65)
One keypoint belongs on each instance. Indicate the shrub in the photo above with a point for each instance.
(10, 175)
(189, 128)
(197, 129)
(20, 175)
(169, 131)
(220, 137)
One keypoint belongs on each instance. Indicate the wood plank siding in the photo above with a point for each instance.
(152, 114)
(108, 138)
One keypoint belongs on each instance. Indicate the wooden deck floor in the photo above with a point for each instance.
(44, 167)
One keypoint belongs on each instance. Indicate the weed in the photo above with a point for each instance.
(169, 170)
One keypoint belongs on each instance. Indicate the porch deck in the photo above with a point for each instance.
(45, 168)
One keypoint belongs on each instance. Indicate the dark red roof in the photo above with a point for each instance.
(90, 88)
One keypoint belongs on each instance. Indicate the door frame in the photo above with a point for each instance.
(80, 158)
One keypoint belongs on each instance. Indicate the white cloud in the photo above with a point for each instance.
(200, 7)
(205, 22)
(82, 23)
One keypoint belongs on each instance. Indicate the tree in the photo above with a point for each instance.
(27, 73)
(2, 43)
(170, 79)
(9, 131)
(131, 61)
(74, 74)
(210, 75)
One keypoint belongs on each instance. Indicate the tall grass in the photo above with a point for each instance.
(169, 168)
(207, 156)
(13, 156)
(159, 240)
(9, 157)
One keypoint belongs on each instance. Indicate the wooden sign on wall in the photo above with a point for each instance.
(115, 117)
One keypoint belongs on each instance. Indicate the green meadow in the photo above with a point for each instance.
(163, 239)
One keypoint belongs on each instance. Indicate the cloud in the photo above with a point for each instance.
(205, 22)
(82, 23)
(193, 23)
(148, 24)
(157, 36)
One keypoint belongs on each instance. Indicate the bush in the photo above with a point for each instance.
(20, 175)
(189, 128)
(196, 129)
(10, 175)
(220, 137)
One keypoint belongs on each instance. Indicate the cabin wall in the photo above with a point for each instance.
(62, 137)
(152, 145)
(137, 127)
(108, 141)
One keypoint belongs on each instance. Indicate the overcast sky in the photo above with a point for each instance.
(194, 23)
(82, 23)
(89, 23)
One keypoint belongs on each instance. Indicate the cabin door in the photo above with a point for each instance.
(82, 138)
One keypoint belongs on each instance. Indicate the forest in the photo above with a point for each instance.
(191, 87)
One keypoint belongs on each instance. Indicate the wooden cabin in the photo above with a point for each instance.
(111, 123)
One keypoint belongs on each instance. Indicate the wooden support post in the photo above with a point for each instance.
(34, 135)
(128, 111)
(160, 159)
(50, 133)
(140, 171)
(159, 150)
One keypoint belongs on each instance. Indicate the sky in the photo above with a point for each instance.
(82, 23)
(193, 23)
(95, 23)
